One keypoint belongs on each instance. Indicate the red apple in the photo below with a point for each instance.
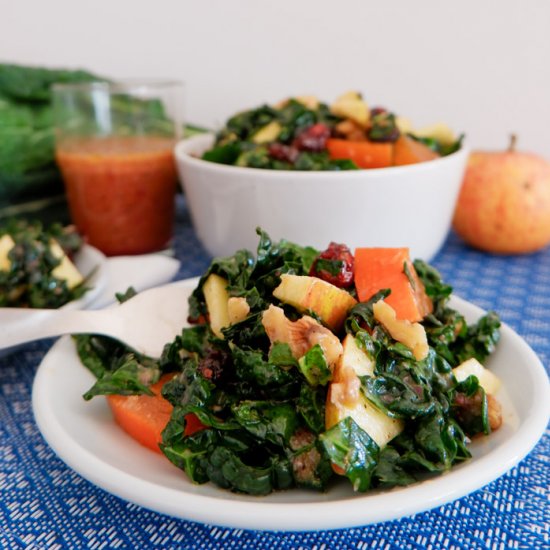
(504, 202)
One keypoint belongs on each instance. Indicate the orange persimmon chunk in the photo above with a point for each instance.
(379, 268)
(143, 417)
(365, 154)
(406, 150)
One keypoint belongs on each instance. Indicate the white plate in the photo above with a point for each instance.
(84, 435)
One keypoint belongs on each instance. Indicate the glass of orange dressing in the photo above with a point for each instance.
(114, 146)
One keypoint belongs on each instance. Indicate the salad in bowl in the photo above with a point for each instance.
(305, 134)
(300, 366)
(311, 172)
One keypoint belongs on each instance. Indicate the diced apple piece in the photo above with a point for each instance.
(268, 133)
(380, 427)
(237, 309)
(216, 297)
(345, 398)
(409, 334)
(487, 380)
(404, 124)
(355, 358)
(440, 132)
(66, 270)
(351, 105)
(6, 244)
(309, 101)
(310, 294)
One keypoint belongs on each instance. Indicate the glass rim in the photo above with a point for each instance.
(118, 86)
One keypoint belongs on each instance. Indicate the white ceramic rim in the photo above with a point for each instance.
(215, 506)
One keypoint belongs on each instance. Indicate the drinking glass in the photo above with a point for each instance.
(114, 147)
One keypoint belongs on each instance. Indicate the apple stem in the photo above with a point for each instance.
(513, 141)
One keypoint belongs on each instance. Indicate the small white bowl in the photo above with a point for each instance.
(400, 206)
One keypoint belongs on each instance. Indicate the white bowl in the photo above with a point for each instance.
(387, 207)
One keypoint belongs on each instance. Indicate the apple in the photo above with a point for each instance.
(487, 380)
(310, 294)
(352, 106)
(345, 398)
(439, 131)
(237, 309)
(6, 244)
(216, 298)
(504, 203)
(267, 133)
(66, 270)
(412, 335)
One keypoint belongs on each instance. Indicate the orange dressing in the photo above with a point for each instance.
(121, 191)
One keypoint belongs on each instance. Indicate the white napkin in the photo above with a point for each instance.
(141, 272)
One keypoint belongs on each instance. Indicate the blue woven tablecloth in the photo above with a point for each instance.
(44, 504)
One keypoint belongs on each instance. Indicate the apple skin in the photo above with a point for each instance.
(310, 294)
(504, 203)
(344, 397)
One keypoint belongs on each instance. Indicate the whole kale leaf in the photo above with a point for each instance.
(26, 118)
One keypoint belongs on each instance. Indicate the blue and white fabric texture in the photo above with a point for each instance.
(44, 504)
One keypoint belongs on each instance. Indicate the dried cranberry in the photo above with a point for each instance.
(213, 365)
(334, 265)
(199, 320)
(378, 111)
(313, 138)
(280, 151)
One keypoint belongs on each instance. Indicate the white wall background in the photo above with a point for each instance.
(483, 66)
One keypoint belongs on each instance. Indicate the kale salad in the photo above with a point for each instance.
(36, 269)
(303, 133)
(298, 369)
